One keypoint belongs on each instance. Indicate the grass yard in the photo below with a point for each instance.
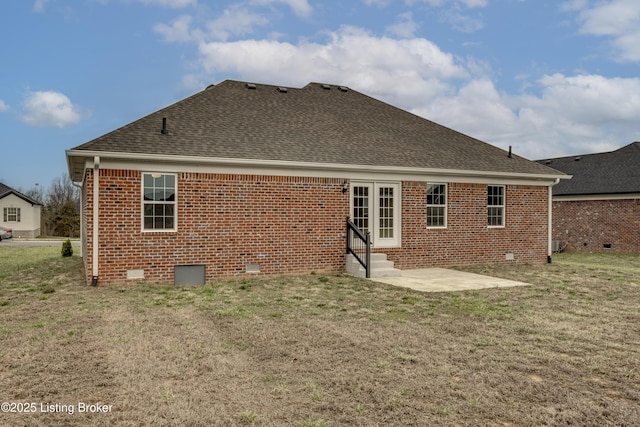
(322, 350)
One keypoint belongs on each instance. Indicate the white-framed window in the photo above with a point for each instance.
(159, 192)
(11, 214)
(495, 205)
(436, 205)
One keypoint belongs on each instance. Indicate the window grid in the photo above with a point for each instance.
(159, 200)
(361, 208)
(11, 214)
(386, 213)
(495, 206)
(436, 205)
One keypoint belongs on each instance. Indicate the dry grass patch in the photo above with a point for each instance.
(323, 350)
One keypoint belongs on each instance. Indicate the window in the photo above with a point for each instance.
(495, 205)
(159, 201)
(436, 205)
(11, 214)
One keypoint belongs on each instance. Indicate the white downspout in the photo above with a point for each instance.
(96, 216)
(550, 217)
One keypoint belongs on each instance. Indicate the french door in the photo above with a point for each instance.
(375, 208)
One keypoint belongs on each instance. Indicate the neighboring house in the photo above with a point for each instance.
(244, 178)
(20, 213)
(599, 208)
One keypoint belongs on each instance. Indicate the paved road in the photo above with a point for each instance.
(36, 242)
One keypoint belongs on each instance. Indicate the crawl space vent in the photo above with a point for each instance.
(189, 275)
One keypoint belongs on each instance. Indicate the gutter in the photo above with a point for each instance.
(78, 158)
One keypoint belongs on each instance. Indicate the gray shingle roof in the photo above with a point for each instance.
(615, 172)
(5, 190)
(312, 124)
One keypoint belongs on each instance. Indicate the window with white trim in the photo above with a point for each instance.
(11, 214)
(495, 205)
(159, 202)
(437, 205)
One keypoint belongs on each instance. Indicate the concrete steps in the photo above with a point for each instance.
(380, 266)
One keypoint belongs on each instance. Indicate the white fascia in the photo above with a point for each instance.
(173, 163)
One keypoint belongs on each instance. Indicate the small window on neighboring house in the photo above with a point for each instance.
(11, 214)
(495, 205)
(159, 202)
(436, 205)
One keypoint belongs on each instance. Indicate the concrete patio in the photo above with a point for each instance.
(445, 280)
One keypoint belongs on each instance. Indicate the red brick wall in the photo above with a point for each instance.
(467, 239)
(286, 225)
(590, 224)
(295, 225)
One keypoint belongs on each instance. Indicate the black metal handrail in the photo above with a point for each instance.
(359, 245)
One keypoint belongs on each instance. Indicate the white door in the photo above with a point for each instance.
(375, 207)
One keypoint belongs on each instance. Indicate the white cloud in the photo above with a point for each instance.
(3, 106)
(299, 7)
(405, 27)
(236, 20)
(570, 115)
(407, 71)
(617, 19)
(49, 108)
(178, 31)
(174, 4)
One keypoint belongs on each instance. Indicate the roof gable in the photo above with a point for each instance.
(615, 172)
(5, 190)
(318, 123)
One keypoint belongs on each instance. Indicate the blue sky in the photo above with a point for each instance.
(549, 78)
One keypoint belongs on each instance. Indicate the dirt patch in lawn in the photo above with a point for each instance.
(323, 350)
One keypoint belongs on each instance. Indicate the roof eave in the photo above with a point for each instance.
(76, 160)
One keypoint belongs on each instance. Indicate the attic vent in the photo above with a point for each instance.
(326, 87)
(251, 86)
(343, 89)
(577, 159)
(164, 129)
(210, 86)
(283, 89)
(548, 162)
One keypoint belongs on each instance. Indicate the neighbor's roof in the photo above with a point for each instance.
(5, 190)
(316, 124)
(615, 172)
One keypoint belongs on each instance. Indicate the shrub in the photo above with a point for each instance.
(67, 249)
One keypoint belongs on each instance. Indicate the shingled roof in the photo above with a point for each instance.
(5, 190)
(318, 123)
(615, 172)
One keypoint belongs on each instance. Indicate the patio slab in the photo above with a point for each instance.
(446, 280)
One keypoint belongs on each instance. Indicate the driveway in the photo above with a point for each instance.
(445, 280)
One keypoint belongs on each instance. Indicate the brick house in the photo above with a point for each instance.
(20, 213)
(599, 208)
(243, 178)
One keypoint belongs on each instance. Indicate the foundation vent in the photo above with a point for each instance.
(189, 275)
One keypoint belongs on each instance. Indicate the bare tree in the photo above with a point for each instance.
(61, 213)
